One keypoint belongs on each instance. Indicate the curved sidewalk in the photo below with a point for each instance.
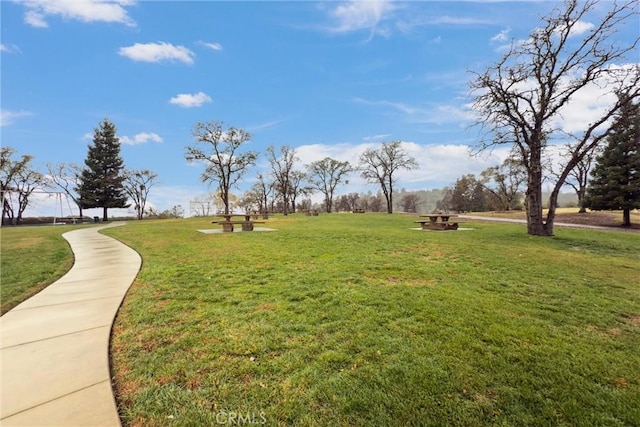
(54, 346)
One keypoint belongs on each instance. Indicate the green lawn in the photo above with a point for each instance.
(30, 259)
(358, 320)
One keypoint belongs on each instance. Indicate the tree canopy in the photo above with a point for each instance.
(101, 181)
(18, 180)
(224, 163)
(380, 167)
(137, 184)
(282, 171)
(325, 175)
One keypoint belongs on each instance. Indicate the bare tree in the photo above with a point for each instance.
(17, 182)
(262, 190)
(297, 188)
(282, 168)
(137, 184)
(446, 202)
(177, 211)
(380, 166)
(373, 203)
(26, 182)
(505, 183)
(522, 97)
(8, 169)
(325, 175)
(65, 177)
(225, 165)
(353, 201)
(205, 205)
(578, 177)
(410, 202)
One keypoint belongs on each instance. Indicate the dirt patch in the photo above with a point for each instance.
(267, 306)
(634, 320)
(602, 219)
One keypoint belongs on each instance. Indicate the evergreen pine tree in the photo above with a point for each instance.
(615, 182)
(101, 182)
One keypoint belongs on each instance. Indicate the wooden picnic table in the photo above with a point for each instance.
(433, 224)
(246, 222)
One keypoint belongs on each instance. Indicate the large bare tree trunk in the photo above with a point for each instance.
(535, 223)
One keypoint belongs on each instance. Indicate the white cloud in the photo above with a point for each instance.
(502, 36)
(9, 48)
(382, 17)
(35, 19)
(79, 10)
(214, 46)
(439, 164)
(266, 125)
(580, 27)
(157, 52)
(9, 117)
(141, 138)
(163, 197)
(376, 138)
(457, 20)
(357, 15)
(436, 114)
(187, 100)
(410, 22)
(361, 15)
(404, 108)
(342, 151)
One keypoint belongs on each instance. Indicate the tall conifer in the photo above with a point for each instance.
(101, 181)
(615, 182)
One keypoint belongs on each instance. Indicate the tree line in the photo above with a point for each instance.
(219, 149)
(103, 182)
(519, 100)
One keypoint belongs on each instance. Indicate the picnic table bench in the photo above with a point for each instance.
(247, 223)
(358, 210)
(264, 214)
(432, 222)
(71, 219)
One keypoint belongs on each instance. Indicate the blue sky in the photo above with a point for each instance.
(327, 78)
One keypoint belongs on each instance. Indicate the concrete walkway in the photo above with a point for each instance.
(55, 346)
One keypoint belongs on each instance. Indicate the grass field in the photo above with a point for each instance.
(31, 258)
(360, 320)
